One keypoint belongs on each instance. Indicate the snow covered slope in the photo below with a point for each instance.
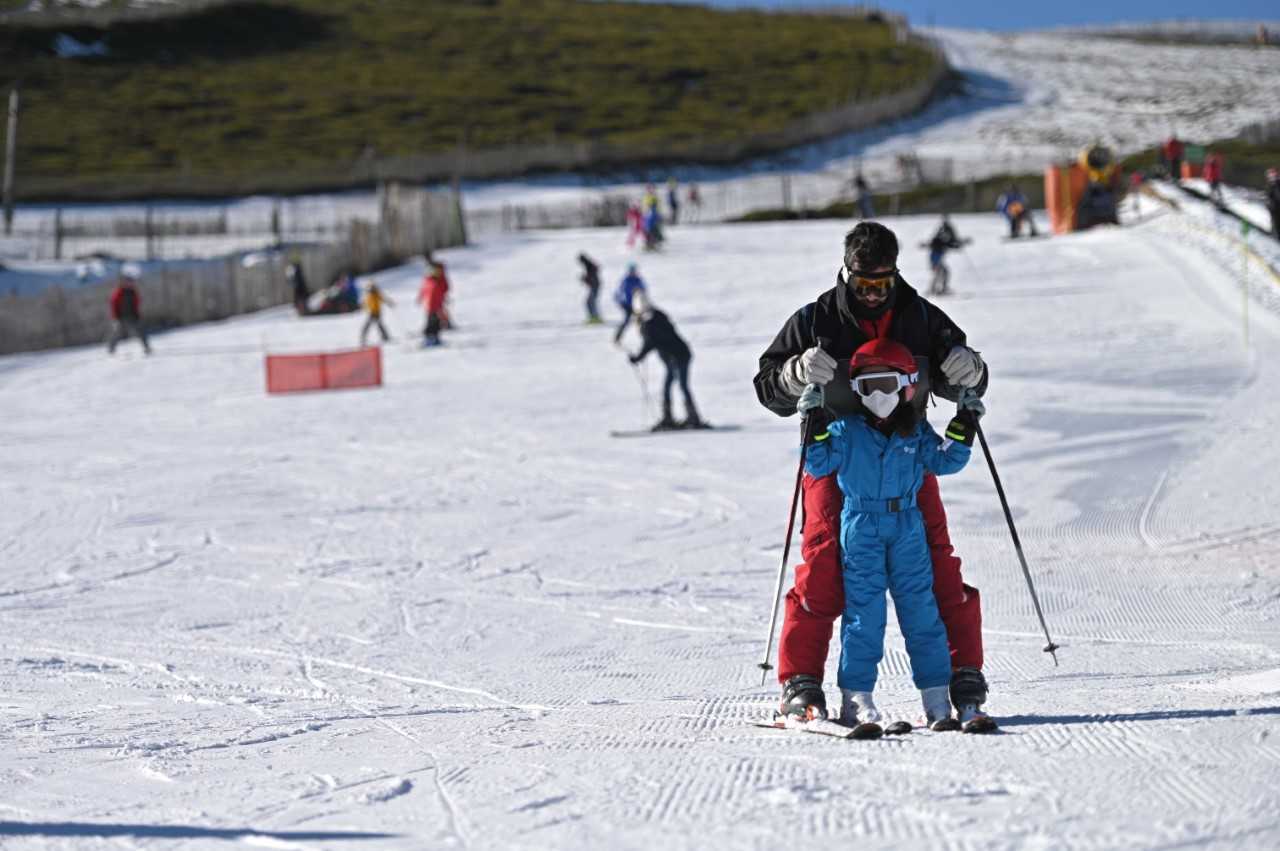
(452, 612)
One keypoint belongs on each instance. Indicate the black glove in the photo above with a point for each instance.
(819, 421)
(963, 427)
(634, 360)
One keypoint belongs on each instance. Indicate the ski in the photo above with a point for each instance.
(644, 432)
(866, 731)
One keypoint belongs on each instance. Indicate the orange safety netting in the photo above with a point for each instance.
(339, 370)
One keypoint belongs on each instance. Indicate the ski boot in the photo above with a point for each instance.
(665, 424)
(968, 693)
(937, 710)
(858, 711)
(802, 699)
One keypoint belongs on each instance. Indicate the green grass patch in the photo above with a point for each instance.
(241, 93)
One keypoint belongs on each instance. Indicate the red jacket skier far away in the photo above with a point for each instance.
(124, 302)
(434, 288)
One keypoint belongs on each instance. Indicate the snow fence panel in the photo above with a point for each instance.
(324, 371)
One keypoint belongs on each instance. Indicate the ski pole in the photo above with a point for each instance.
(1017, 545)
(646, 403)
(764, 666)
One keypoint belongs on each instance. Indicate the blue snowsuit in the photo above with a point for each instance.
(882, 543)
(622, 296)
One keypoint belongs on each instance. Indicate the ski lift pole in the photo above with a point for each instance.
(1017, 545)
(764, 665)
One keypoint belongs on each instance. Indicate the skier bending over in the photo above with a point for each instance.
(870, 300)
(660, 335)
(943, 241)
(880, 456)
(1014, 207)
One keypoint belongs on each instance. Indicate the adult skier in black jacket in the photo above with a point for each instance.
(660, 335)
(870, 300)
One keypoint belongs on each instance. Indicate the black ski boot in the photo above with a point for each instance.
(802, 698)
(968, 693)
(665, 424)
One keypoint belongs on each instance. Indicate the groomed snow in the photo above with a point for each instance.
(453, 612)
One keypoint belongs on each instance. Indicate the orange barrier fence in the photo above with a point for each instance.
(336, 371)
(1064, 186)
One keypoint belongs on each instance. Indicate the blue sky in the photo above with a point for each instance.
(1031, 14)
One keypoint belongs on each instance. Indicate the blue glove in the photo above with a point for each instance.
(812, 399)
(969, 401)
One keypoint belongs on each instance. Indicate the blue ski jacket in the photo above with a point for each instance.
(883, 544)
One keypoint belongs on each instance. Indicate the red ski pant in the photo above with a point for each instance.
(817, 598)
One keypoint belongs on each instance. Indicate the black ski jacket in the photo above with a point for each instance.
(916, 323)
(1273, 196)
(660, 334)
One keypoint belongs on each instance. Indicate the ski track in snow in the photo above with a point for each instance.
(453, 610)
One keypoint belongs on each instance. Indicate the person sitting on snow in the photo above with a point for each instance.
(880, 456)
(660, 335)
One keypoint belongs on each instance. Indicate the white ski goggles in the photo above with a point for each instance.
(885, 382)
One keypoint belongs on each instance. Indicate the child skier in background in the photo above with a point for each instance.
(373, 301)
(880, 457)
(623, 296)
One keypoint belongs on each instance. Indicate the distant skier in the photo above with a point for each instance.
(660, 335)
(673, 200)
(880, 456)
(431, 296)
(635, 224)
(591, 280)
(944, 239)
(1212, 173)
(652, 219)
(126, 311)
(1171, 152)
(1013, 205)
(870, 300)
(862, 196)
(1273, 200)
(298, 284)
(374, 299)
(624, 296)
(695, 203)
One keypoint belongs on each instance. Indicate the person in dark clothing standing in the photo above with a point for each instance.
(591, 280)
(126, 312)
(298, 283)
(870, 301)
(1273, 200)
(660, 335)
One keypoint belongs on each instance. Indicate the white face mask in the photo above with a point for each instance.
(881, 403)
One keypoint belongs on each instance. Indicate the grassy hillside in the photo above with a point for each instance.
(258, 88)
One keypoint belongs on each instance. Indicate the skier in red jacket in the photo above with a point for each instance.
(434, 288)
(126, 312)
(1213, 176)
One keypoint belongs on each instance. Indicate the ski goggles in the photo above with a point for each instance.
(885, 382)
(870, 280)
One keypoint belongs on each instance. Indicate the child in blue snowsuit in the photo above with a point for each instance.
(879, 457)
(623, 295)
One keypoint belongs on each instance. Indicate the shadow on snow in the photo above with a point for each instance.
(174, 831)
